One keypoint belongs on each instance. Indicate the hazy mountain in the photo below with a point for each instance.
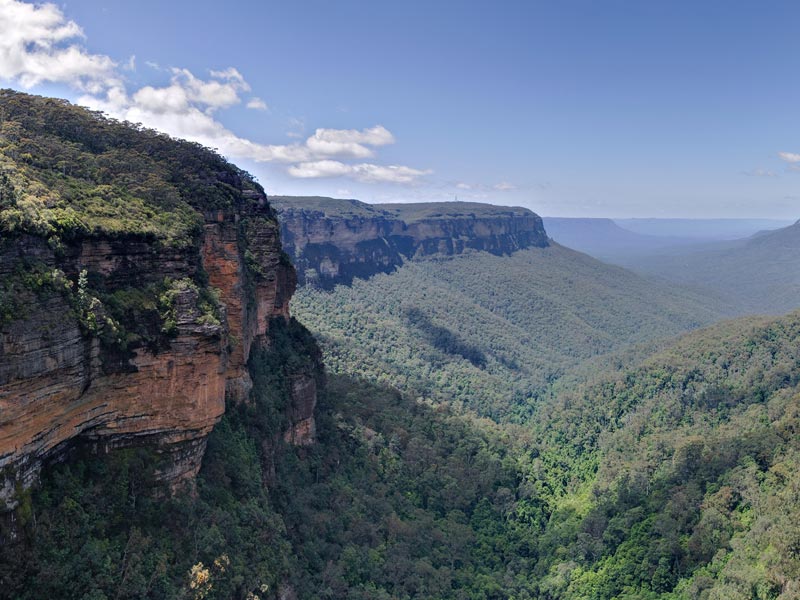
(606, 240)
(331, 240)
(702, 229)
(760, 274)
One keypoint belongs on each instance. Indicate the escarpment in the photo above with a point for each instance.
(332, 241)
(137, 273)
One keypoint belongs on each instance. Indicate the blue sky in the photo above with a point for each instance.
(594, 108)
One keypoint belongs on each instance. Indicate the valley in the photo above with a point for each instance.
(207, 392)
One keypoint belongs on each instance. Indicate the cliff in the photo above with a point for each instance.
(137, 272)
(332, 241)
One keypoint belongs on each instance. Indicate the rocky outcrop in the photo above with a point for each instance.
(303, 396)
(62, 380)
(332, 241)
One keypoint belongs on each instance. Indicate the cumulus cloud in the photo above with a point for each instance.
(39, 44)
(186, 108)
(348, 142)
(789, 157)
(366, 172)
(504, 186)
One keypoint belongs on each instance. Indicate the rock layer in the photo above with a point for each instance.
(59, 383)
(332, 241)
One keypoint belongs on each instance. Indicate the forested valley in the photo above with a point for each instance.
(532, 424)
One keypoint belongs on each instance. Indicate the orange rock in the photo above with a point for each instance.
(54, 388)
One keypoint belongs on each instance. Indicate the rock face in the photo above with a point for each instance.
(332, 241)
(58, 383)
(111, 332)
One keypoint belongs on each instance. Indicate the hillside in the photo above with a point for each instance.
(677, 478)
(758, 275)
(490, 332)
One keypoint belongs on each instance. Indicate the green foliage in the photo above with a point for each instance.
(635, 477)
(686, 499)
(30, 282)
(400, 499)
(674, 478)
(67, 172)
(490, 333)
(408, 212)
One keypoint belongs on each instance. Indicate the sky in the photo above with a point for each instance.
(640, 108)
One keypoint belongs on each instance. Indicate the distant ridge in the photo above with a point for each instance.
(332, 240)
(702, 229)
(605, 239)
(760, 274)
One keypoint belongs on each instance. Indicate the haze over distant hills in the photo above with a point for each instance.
(626, 241)
(606, 240)
(760, 274)
(702, 229)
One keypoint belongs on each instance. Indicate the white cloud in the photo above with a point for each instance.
(366, 172)
(463, 186)
(789, 157)
(257, 104)
(39, 44)
(221, 91)
(185, 109)
(504, 186)
(348, 142)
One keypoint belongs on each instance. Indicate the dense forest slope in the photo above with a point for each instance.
(758, 275)
(675, 478)
(490, 332)
(137, 273)
(332, 241)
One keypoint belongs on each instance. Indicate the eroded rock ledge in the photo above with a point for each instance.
(332, 241)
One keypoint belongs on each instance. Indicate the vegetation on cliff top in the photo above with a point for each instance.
(409, 213)
(69, 172)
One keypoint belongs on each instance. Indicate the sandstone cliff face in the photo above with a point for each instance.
(60, 382)
(331, 242)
